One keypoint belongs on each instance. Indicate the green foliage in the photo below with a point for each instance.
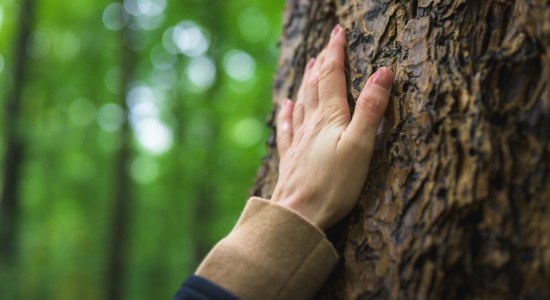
(198, 103)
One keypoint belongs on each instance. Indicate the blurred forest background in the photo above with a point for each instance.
(131, 132)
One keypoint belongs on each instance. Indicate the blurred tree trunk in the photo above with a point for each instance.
(14, 150)
(205, 204)
(115, 277)
(457, 202)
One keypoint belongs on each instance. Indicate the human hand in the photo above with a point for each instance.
(324, 152)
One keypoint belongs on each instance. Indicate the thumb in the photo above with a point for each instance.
(371, 104)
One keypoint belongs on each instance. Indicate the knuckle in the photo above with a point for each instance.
(281, 133)
(283, 129)
(371, 104)
(282, 121)
(330, 66)
(313, 81)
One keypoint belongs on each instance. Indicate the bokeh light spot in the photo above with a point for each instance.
(110, 117)
(144, 170)
(149, 23)
(113, 17)
(153, 135)
(201, 72)
(38, 45)
(247, 132)
(190, 39)
(1, 17)
(151, 8)
(168, 41)
(161, 59)
(82, 112)
(148, 8)
(253, 25)
(239, 65)
(132, 7)
(66, 45)
(139, 94)
(143, 111)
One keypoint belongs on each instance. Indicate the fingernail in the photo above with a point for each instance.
(383, 77)
(310, 63)
(336, 29)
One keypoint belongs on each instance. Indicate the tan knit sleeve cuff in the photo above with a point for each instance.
(272, 253)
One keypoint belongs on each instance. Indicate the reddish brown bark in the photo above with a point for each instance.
(457, 202)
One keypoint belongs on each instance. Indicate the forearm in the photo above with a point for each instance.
(271, 253)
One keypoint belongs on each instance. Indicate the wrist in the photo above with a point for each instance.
(302, 205)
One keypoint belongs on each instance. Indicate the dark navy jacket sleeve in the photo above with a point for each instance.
(198, 288)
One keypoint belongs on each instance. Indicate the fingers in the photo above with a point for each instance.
(371, 104)
(316, 69)
(303, 99)
(308, 93)
(297, 116)
(332, 82)
(284, 127)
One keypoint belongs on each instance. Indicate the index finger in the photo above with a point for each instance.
(332, 82)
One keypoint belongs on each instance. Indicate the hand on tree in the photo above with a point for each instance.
(324, 152)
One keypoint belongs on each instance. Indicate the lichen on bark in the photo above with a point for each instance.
(457, 202)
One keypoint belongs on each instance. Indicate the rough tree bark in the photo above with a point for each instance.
(457, 202)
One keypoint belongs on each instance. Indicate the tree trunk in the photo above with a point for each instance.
(457, 202)
(13, 157)
(115, 276)
(205, 204)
